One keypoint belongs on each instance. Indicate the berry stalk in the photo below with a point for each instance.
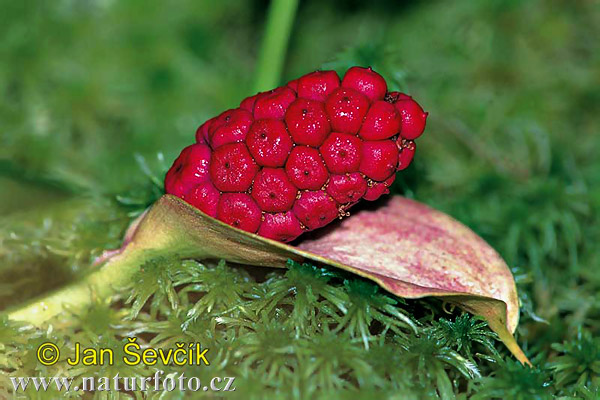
(407, 248)
(98, 284)
(280, 20)
(170, 228)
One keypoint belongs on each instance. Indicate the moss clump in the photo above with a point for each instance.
(511, 150)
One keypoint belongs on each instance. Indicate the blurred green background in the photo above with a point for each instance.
(511, 148)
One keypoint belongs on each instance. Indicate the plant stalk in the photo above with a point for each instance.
(100, 283)
(173, 228)
(280, 19)
(170, 228)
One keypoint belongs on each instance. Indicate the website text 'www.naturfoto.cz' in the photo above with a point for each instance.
(155, 383)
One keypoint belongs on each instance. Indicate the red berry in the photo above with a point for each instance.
(346, 109)
(382, 122)
(232, 168)
(188, 170)
(366, 81)
(220, 120)
(379, 159)
(413, 118)
(318, 85)
(306, 168)
(269, 142)
(294, 158)
(307, 122)
(248, 103)
(342, 153)
(315, 209)
(407, 152)
(283, 227)
(378, 189)
(234, 128)
(293, 85)
(274, 103)
(347, 188)
(240, 211)
(204, 197)
(202, 133)
(273, 191)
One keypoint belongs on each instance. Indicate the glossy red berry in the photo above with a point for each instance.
(413, 117)
(381, 122)
(347, 188)
(366, 81)
(273, 191)
(297, 157)
(377, 189)
(232, 168)
(273, 104)
(346, 109)
(283, 227)
(248, 103)
(188, 170)
(342, 153)
(306, 168)
(407, 152)
(293, 85)
(379, 159)
(318, 85)
(202, 133)
(307, 122)
(315, 209)
(269, 142)
(239, 211)
(204, 197)
(231, 128)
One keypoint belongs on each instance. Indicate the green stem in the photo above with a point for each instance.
(173, 228)
(272, 53)
(170, 228)
(98, 284)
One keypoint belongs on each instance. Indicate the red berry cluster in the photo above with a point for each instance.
(295, 158)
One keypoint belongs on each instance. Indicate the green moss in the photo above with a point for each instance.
(99, 97)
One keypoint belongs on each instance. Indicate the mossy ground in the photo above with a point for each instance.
(511, 149)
